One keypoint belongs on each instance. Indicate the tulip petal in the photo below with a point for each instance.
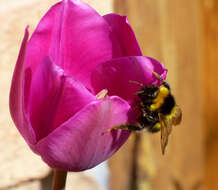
(75, 36)
(54, 98)
(80, 143)
(17, 95)
(116, 74)
(124, 34)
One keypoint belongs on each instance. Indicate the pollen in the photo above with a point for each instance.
(159, 100)
(157, 125)
(102, 94)
(163, 91)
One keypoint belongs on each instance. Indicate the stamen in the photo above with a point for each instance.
(102, 94)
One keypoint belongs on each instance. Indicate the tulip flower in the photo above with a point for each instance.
(73, 54)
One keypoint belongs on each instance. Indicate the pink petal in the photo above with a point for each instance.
(116, 74)
(124, 34)
(54, 98)
(79, 143)
(75, 36)
(17, 94)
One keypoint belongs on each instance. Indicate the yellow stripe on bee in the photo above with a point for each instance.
(159, 100)
(172, 113)
(175, 115)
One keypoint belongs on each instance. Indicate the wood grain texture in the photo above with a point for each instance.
(210, 72)
(120, 166)
(171, 32)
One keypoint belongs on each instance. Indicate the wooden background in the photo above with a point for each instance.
(182, 34)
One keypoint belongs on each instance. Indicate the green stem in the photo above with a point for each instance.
(59, 179)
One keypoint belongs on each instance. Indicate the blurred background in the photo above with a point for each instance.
(182, 34)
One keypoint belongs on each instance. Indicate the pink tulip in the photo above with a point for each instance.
(73, 54)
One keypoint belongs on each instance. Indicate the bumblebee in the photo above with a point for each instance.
(158, 110)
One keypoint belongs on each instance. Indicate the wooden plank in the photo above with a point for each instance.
(170, 31)
(181, 47)
(210, 73)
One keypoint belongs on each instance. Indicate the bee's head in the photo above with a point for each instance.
(148, 92)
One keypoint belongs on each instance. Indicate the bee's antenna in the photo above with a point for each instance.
(156, 75)
(135, 82)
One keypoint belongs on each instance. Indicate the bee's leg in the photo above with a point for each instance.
(155, 128)
(126, 126)
(141, 104)
(139, 92)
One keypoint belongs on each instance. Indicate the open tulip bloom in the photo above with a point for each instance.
(73, 54)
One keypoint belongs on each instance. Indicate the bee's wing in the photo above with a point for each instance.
(166, 128)
(166, 123)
